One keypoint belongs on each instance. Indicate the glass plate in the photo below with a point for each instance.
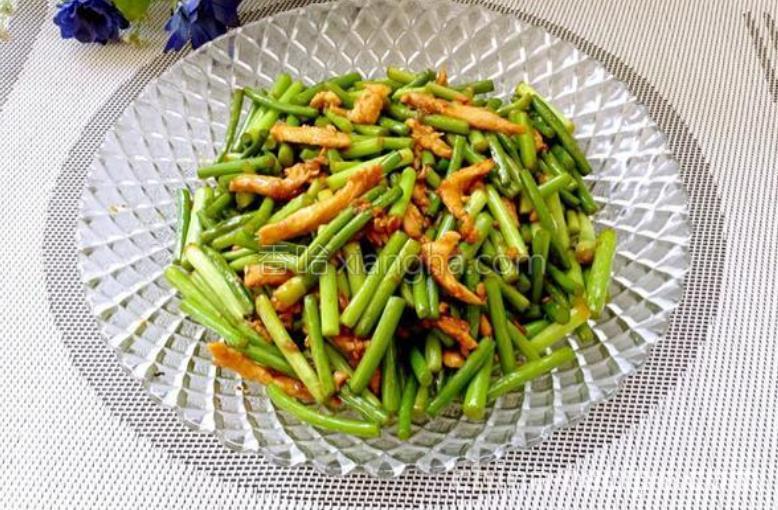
(126, 228)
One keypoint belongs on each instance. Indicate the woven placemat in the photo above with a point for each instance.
(25, 25)
(126, 398)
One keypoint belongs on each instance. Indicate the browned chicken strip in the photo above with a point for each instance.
(458, 329)
(350, 345)
(368, 106)
(310, 135)
(309, 218)
(419, 196)
(453, 359)
(428, 138)
(476, 116)
(441, 78)
(328, 100)
(257, 275)
(413, 222)
(382, 226)
(435, 255)
(453, 188)
(485, 327)
(278, 188)
(226, 357)
(325, 99)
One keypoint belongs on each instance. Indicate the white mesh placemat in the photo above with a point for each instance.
(24, 26)
(608, 422)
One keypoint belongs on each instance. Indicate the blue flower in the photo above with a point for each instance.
(200, 21)
(90, 21)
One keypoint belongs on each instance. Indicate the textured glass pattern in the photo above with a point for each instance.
(127, 225)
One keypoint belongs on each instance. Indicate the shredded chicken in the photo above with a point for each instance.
(458, 329)
(477, 117)
(375, 382)
(453, 188)
(325, 99)
(310, 135)
(485, 327)
(226, 357)
(342, 301)
(309, 218)
(363, 205)
(435, 255)
(453, 359)
(413, 222)
(368, 106)
(427, 138)
(340, 378)
(257, 275)
(382, 227)
(328, 100)
(419, 195)
(540, 145)
(385, 223)
(278, 188)
(442, 77)
(350, 345)
(416, 164)
(375, 237)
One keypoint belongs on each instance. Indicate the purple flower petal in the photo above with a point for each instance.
(90, 21)
(199, 21)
